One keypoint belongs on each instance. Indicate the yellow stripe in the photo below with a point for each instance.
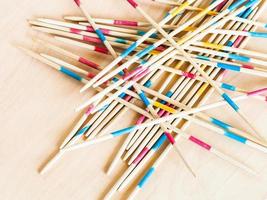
(211, 45)
(202, 89)
(190, 28)
(154, 52)
(164, 107)
(177, 10)
(213, 13)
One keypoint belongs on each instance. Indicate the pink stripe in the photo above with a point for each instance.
(238, 41)
(89, 110)
(224, 74)
(125, 22)
(133, 73)
(133, 3)
(91, 39)
(91, 29)
(170, 138)
(189, 75)
(140, 155)
(257, 92)
(141, 75)
(140, 120)
(127, 98)
(247, 66)
(88, 63)
(74, 30)
(221, 5)
(101, 50)
(161, 112)
(78, 2)
(200, 143)
(105, 31)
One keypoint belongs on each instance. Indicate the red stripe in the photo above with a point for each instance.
(91, 39)
(247, 66)
(125, 22)
(170, 138)
(105, 31)
(78, 2)
(90, 75)
(257, 92)
(101, 50)
(74, 30)
(133, 3)
(200, 143)
(221, 5)
(88, 63)
(189, 75)
(160, 48)
(91, 29)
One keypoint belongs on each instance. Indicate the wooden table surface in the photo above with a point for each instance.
(37, 111)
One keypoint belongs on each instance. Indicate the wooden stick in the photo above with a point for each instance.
(170, 15)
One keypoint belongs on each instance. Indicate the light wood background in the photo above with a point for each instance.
(37, 111)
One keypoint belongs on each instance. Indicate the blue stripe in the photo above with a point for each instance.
(265, 26)
(220, 123)
(104, 108)
(143, 62)
(121, 73)
(127, 51)
(122, 95)
(115, 79)
(235, 5)
(70, 73)
(228, 87)
(166, 15)
(145, 51)
(148, 84)
(258, 34)
(203, 58)
(228, 66)
(238, 57)
(100, 35)
(229, 43)
(145, 178)
(144, 98)
(141, 33)
(123, 131)
(246, 13)
(251, 3)
(168, 94)
(159, 142)
(120, 40)
(83, 130)
(230, 101)
(235, 137)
